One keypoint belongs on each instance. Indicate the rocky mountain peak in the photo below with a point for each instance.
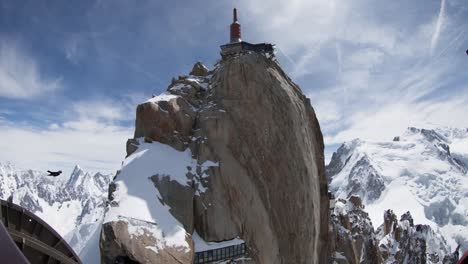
(232, 153)
(199, 69)
(76, 176)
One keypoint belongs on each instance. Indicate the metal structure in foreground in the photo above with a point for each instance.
(220, 254)
(37, 241)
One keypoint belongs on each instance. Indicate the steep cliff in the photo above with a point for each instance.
(235, 152)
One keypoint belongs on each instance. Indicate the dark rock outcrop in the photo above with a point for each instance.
(364, 180)
(354, 240)
(199, 70)
(338, 161)
(404, 242)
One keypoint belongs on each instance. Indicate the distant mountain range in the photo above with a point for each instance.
(423, 171)
(72, 204)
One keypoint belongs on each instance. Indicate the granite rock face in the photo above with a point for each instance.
(265, 179)
(264, 133)
(120, 245)
(353, 238)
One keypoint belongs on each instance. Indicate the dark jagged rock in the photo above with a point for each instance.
(452, 258)
(390, 221)
(407, 217)
(353, 239)
(405, 242)
(338, 161)
(365, 181)
(199, 70)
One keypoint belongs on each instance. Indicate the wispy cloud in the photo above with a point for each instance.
(370, 70)
(438, 26)
(20, 76)
(72, 48)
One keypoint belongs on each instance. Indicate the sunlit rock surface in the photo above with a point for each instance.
(232, 153)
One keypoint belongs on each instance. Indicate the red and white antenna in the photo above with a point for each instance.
(235, 28)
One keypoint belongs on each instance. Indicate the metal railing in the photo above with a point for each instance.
(219, 254)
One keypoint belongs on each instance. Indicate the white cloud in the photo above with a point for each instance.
(328, 110)
(101, 110)
(97, 148)
(19, 74)
(297, 24)
(90, 135)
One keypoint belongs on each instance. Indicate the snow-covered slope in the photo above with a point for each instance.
(72, 204)
(137, 201)
(422, 171)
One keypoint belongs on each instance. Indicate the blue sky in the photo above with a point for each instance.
(72, 72)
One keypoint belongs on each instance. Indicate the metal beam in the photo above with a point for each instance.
(40, 246)
(31, 235)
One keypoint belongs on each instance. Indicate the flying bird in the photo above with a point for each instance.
(467, 52)
(54, 173)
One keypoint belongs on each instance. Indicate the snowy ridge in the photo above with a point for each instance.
(423, 171)
(72, 204)
(137, 201)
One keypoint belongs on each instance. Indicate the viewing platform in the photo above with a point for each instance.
(237, 46)
(214, 252)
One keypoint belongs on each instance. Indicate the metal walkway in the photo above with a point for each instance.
(35, 238)
(220, 254)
